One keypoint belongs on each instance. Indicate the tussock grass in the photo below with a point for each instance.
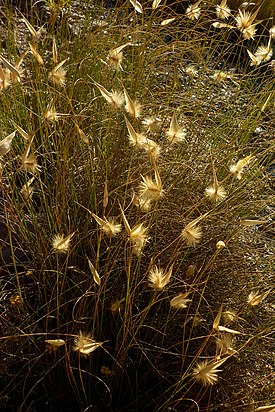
(137, 241)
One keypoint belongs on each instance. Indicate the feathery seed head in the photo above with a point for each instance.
(109, 227)
(115, 59)
(143, 204)
(135, 139)
(158, 279)
(206, 371)
(29, 163)
(138, 238)
(132, 107)
(58, 74)
(222, 10)
(85, 345)
(219, 76)
(27, 190)
(193, 11)
(138, 235)
(255, 298)
(50, 114)
(264, 53)
(116, 56)
(180, 301)
(175, 133)
(244, 23)
(191, 70)
(61, 244)
(115, 99)
(151, 148)
(191, 235)
(149, 189)
(224, 344)
(215, 193)
(152, 124)
(229, 316)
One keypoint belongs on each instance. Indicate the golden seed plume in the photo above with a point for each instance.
(85, 345)
(132, 107)
(255, 298)
(149, 189)
(51, 114)
(176, 133)
(61, 244)
(224, 344)
(151, 148)
(115, 99)
(27, 189)
(206, 371)
(152, 124)
(136, 139)
(116, 56)
(180, 301)
(58, 74)
(109, 227)
(215, 193)
(158, 279)
(264, 53)
(244, 23)
(138, 235)
(143, 204)
(192, 233)
(193, 11)
(222, 10)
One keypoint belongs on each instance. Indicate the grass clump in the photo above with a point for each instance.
(137, 206)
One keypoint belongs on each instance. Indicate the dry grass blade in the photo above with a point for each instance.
(5, 144)
(268, 408)
(137, 6)
(94, 272)
(167, 21)
(10, 67)
(37, 56)
(155, 4)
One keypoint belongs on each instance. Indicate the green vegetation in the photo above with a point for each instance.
(137, 198)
